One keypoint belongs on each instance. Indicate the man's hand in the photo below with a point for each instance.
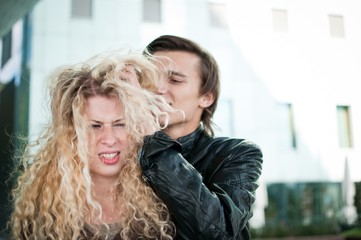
(130, 75)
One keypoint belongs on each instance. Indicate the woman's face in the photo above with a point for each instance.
(109, 142)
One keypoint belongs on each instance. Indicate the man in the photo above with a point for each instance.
(207, 183)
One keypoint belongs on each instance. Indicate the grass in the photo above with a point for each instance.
(353, 233)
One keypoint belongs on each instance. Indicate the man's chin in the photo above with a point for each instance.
(164, 121)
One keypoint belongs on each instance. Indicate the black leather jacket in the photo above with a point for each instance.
(207, 183)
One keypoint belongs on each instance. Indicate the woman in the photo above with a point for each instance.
(81, 179)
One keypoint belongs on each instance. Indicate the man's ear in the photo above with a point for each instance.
(206, 100)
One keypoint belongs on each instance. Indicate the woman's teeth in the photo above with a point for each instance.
(108, 155)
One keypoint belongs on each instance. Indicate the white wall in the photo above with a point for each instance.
(308, 68)
(260, 68)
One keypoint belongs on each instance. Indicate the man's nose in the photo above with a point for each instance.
(163, 86)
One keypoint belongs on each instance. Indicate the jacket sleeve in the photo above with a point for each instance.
(218, 209)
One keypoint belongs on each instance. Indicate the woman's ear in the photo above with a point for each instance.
(206, 100)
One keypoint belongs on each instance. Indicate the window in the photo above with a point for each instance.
(291, 126)
(217, 13)
(223, 118)
(344, 127)
(280, 22)
(81, 9)
(6, 48)
(336, 26)
(287, 123)
(151, 11)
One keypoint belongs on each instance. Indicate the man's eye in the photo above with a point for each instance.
(119, 125)
(173, 80)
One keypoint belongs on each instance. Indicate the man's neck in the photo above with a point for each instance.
(179, 130)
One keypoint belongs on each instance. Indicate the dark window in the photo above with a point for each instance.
(218, 15)
(344, 127)
(280, 20)
(287, 132)
(6, 48)
(337, 29)
(81, 9)
(152, 11)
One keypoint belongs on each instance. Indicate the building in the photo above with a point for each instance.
(290, 72)
(15, 35)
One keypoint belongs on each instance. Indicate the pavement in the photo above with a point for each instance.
(306, 238)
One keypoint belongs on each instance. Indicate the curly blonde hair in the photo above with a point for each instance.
(53, 198)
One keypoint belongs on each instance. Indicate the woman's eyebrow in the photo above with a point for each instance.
(115, 121)
(96, 121)
(119, 120)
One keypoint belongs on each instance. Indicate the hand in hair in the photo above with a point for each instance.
(129, 73)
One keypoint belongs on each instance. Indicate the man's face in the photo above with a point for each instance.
(180, 86)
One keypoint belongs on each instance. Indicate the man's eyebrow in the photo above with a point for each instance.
(174, 73)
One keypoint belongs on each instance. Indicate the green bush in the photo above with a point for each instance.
(284, 230)
(357, 202)
(301, 209)
(354, 233)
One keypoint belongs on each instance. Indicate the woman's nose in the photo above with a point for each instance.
(108, 137)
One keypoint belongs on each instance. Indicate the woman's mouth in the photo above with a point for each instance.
(109, 158)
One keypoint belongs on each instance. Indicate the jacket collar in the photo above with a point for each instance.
(188, 141)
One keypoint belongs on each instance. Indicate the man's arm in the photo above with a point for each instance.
(217, 209)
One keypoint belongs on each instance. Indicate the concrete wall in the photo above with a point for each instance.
(261, 69)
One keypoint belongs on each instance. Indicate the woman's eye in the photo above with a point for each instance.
(95, 126)
(119, 125)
